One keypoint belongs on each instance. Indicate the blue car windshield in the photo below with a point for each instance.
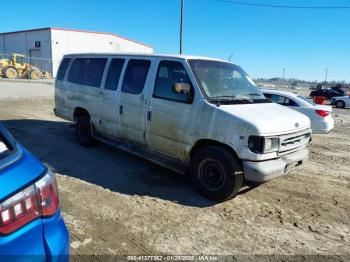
(225, 81)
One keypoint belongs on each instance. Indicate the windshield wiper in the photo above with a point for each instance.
(229, 99)
(244, 99)
(253, 94)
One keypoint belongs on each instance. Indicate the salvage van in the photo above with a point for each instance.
(195, 115)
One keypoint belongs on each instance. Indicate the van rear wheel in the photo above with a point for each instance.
(216, 173)
(83, 131)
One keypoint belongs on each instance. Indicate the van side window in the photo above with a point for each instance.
(170, 73)
(114, 72)
(135, 76)
(87, 71)
(63, 69)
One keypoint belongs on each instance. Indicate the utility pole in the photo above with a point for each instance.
(326, 71)
(181, 24)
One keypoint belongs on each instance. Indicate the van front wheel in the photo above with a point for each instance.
(216, 173)
(83, 131)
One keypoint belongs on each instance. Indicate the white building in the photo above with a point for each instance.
(45, 47)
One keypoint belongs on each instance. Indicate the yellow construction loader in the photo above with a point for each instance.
(15, 67)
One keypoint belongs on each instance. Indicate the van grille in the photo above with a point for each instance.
(293, 141)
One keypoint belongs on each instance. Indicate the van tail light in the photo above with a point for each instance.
(322, 113)
(38, 200)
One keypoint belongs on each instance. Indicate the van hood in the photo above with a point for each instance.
(269, 118)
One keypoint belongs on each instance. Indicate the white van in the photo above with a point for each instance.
(185, 113)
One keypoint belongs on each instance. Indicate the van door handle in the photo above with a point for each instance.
(120, 109)
(149, 116)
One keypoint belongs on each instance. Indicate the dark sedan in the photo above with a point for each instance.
(328, 93)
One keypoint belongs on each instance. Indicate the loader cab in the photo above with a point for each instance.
(17, 59)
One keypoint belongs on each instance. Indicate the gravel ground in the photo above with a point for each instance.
(25, 89)
(118, 204)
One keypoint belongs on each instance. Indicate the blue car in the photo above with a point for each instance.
(31, 225)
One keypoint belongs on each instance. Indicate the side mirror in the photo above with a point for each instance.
(182, 88)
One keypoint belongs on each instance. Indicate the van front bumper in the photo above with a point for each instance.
(267, 170)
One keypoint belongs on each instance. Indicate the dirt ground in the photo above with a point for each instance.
(118, 204)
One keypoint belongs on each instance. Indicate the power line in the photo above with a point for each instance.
(170, 29)
(284, 6)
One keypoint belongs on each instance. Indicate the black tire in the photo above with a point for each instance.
(216, 173)
(339, 104)
(10, 73)
(34, 74)
(83, 131)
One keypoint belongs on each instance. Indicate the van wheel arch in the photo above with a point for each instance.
(79, 111)
(207, 143)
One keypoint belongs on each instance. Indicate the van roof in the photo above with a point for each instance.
(148, 55)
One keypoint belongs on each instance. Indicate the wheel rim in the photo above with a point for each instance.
(339, 104)
(35, 75)
(83, 131)
(211, 175)
(11, 74)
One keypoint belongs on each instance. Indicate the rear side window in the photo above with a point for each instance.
(170, 73)
(3, 147)
(6, 145)
(87, 71)
(63, 69)
(290, 102)
(135, 76)
(278, 99)
(282, 100)
(114, 72)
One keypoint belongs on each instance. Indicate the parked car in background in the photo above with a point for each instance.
(31, 225)
(322, 121)
(341, 101)
(185, 113)
(339, 88)
(327, 93)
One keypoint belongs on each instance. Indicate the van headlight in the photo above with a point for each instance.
(262, 145)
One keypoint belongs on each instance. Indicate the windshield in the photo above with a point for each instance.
(225, 82)
(19, 59)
